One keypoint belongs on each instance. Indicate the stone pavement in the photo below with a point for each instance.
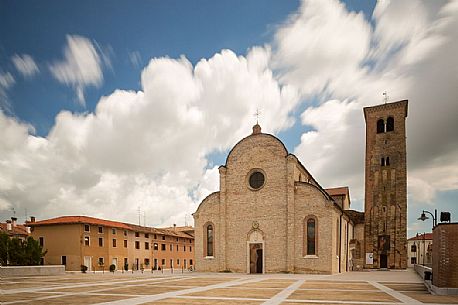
(352, 288)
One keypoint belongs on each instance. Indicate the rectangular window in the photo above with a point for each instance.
(184, 248)
(113, 231)
(86, 240)
(163, 237)
(413, 248)
(146, 245)
(171, 263)
(64, 260)
(177, 248)
(190, 249)
(190, 262)
(156, 246)
(178, 261)
(137, 245)
(146, 235)
(163, 262)
(114, 242)
(125, 243)
(100, 229)
(171, 248)
(100, 241)
(155, 236)
(42, 241)
(177, 238)
(125, 233)
(101, 261)
(413, 260)
(146, 261)
(86, 228)
(163, 247)
(137, 234)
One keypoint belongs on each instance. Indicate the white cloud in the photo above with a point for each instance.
(6, 81)
(25, 64)
(413, 57)
(319, 43)
(135, 59)
(81, 66)
(144, 149)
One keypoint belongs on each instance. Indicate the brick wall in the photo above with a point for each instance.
(445, 255)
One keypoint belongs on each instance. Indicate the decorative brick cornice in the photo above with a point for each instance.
(384, 107)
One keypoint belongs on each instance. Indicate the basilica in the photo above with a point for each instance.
(270, 214)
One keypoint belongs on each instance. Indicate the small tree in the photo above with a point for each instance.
(16, 252)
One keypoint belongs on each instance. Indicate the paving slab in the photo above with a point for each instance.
(21, 297)
(329, 295)
(237, 293)
(338, 285)
(181, 301)
(429, 298)
(79, 299)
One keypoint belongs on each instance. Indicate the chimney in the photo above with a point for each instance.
(174, 227)
(28, 230)
(32, 218)
(9, 227)
(14, 221)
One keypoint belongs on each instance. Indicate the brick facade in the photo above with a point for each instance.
(272, 219)
(445, 254)
(386, 186)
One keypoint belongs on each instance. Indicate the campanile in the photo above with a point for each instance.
(385, 202)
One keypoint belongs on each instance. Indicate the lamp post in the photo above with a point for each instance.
(423, 216)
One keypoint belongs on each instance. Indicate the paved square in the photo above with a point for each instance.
(352, 288)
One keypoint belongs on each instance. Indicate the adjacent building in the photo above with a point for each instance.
(15, 230)
(97, 243)
(419, 250)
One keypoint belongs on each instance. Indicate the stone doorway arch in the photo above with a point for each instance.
(255, 251)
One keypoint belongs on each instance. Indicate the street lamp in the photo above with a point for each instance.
(423, 216)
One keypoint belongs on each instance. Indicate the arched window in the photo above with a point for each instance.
(380, 126)
(311, 236)
(209, 240)
(390, 124)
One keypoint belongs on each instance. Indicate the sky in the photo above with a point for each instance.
(124, 110)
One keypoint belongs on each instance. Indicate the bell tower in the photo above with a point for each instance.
(385, 202)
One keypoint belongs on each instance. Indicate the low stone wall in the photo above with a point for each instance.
(32, 270)
(420, 269)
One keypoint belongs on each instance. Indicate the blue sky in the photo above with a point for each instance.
(308, 61)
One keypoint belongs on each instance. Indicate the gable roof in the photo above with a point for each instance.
(338, 191)
(106, 223)
(427, 236)
(18, 230)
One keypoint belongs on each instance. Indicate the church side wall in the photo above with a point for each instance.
(208, 212)
(309, 201)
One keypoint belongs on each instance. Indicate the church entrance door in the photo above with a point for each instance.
(256, 258)
(383, 261)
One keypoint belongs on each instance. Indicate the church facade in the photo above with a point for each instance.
(270, 215)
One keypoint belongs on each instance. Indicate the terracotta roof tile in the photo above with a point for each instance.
(108, 223)
(17, 230)
(428, 236)
(338, 191)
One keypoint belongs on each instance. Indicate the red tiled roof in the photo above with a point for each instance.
(17, 230)
(80, 219)
(428, 236)
(338, 191)
(107, 223)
